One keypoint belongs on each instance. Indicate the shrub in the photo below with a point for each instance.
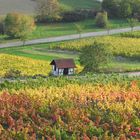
(95, 56)
(46, 19)
(121, 8)
(78, 15)
(19, 25)
(72, 16)
(102, 19)
(47, 10)
(1, 26)
(135, 34)
(12, 73)
(132, 22)
(111, 6)
(68, 15)
(125, 9)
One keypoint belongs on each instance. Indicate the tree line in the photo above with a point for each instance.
(122, 8)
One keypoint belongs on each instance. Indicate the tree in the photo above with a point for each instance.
(121, 8)
(112, 7)
(78, 29)
(47, 9)
(93, 57)
(132, 22)
(19, 26)
(1, 26)
(125, 9)
(108, 27)
(102, 19)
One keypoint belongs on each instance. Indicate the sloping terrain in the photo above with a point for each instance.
(27, 6)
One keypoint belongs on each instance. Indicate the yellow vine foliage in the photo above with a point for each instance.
(118, 45)
(26, 65)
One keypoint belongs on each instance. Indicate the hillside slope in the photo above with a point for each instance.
(27, 6)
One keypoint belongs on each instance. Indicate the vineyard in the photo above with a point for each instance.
(27, 66)
(129, 47)
(135, 34)
(92, 95)
(70, 109)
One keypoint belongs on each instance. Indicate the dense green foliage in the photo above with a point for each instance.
(19, 25)
(1, 26)
(102, 19)
(95, 56)
(122, 8)
(47, 9)
(88, 78)
(135, 34)
(60, 29)
(132, 22)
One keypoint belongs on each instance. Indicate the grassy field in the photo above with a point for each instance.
(59, 29)
(78, 4)
(27, 6)
(50, 30)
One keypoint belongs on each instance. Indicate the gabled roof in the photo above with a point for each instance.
(63, 63)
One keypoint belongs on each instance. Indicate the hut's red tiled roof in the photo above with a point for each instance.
(63, 63)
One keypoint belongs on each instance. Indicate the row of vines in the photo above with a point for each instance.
(72, 111)
(129, 47)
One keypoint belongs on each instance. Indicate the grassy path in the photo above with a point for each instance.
(69, 37)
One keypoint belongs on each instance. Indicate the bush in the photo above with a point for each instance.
(78, 15)
(102, 19)
(137, 16)
(95, 56)
(46, 19)
(1, 26)
(73, 16)
(121, 8)
(19, 25)
(68, 16)
(125, 9)
(47, 10)
(112, 8)
(12, 73)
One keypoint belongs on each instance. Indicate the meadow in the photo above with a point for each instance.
(60, 29)
(28, 8)
(105, 107)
